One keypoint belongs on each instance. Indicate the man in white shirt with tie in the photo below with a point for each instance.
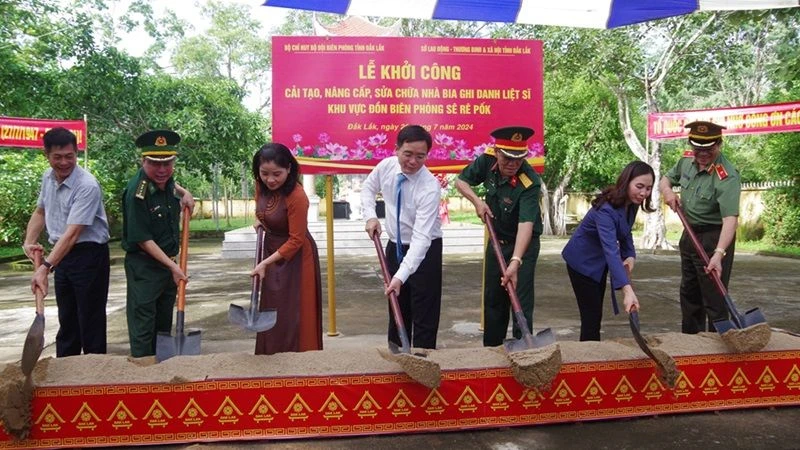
(414, 251)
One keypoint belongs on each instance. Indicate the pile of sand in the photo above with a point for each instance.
(111, 370)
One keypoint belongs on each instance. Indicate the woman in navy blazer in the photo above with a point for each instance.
(603, 242)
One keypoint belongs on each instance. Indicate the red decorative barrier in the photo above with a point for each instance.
(307, 407)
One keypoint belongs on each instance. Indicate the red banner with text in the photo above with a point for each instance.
(758, 119)
(28, 133)
(338, 102)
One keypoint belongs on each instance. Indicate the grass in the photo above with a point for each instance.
(208, 225)
(465, 217)
(11, 252)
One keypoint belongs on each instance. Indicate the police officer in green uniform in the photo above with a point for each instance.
(512, 204)
(151, 208)
(710, 188)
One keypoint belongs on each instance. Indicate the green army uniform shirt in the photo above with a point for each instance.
(707, 195)
(511, 200)
(150, 214)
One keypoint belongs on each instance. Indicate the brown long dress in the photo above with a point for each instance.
(292, 286)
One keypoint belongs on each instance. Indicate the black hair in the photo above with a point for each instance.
(282, 156)
(414, 133)
(617, 194)
(59, 137)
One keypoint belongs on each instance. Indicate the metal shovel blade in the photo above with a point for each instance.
(540, 339)
(633, 319)
(34, 343)
(258, 321)
(168, 346)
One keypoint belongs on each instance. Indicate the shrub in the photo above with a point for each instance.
(782, 216)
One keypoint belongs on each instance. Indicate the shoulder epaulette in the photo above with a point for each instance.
(141, 189)
(525, 180)
(688, 154)
(489, 151)
(721, 172)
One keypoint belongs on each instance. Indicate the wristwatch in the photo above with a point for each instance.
(720, 250)
(517, 259)
(48, 265)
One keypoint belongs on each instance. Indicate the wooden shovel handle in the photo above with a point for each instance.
(698, 247)
(512, 293)
(38, 294)
(393, 303)
(184, 257)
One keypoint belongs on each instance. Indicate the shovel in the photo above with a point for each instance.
(528, 341)
(34, 341)
(738, 321)
(427, 373)
(664, 363)
(253, 319)
(168, 346)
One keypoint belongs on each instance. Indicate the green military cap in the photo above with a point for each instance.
(512, 141)
(704, 134)
(159, 145)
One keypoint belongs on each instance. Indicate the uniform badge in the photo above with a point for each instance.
(688, 154)
(721, 172)
(513, 181)
(507, 200)
(526, 181)
(141, 189)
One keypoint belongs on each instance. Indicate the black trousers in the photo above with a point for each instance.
(81, 284)
(701, 303)
(420, 297)
(589, 294)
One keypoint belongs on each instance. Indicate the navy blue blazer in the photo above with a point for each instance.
(602, 241)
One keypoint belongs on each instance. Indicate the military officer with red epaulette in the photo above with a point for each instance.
(512, 203)
(710, 189)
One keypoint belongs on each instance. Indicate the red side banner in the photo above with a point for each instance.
(28, 133)
(339, 102)
(776, 118)
(362, 405)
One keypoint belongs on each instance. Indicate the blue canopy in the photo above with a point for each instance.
(573, 13)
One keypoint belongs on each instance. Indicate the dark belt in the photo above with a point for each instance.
(85, 245)
(706, 228)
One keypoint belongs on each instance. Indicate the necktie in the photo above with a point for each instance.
(400, 179)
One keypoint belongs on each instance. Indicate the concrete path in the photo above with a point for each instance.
(361, 316)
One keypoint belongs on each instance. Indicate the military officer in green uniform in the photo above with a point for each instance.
(512, 204)
(151, 208)
(710, 188)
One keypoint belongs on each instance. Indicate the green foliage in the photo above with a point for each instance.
(782, 216)
(20, 177)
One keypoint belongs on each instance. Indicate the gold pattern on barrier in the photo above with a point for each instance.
(49, 419)
(562, 394)
(435, 403)
(683, 386)
(228, 412)
(468, 401)
(792, 379)
(711, 383)
(767, 380)
(532, 398)
(624, 390)
(654, 388)
(367, 406)
(263, 411)
(739, 381)
(333, 407)
(157, 415)
(85, 418)
(500, 398)
(401, 405)
(121, 417)
(192, 414)
(593, 393)
(298, 409)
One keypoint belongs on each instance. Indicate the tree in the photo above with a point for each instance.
(234, 48)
